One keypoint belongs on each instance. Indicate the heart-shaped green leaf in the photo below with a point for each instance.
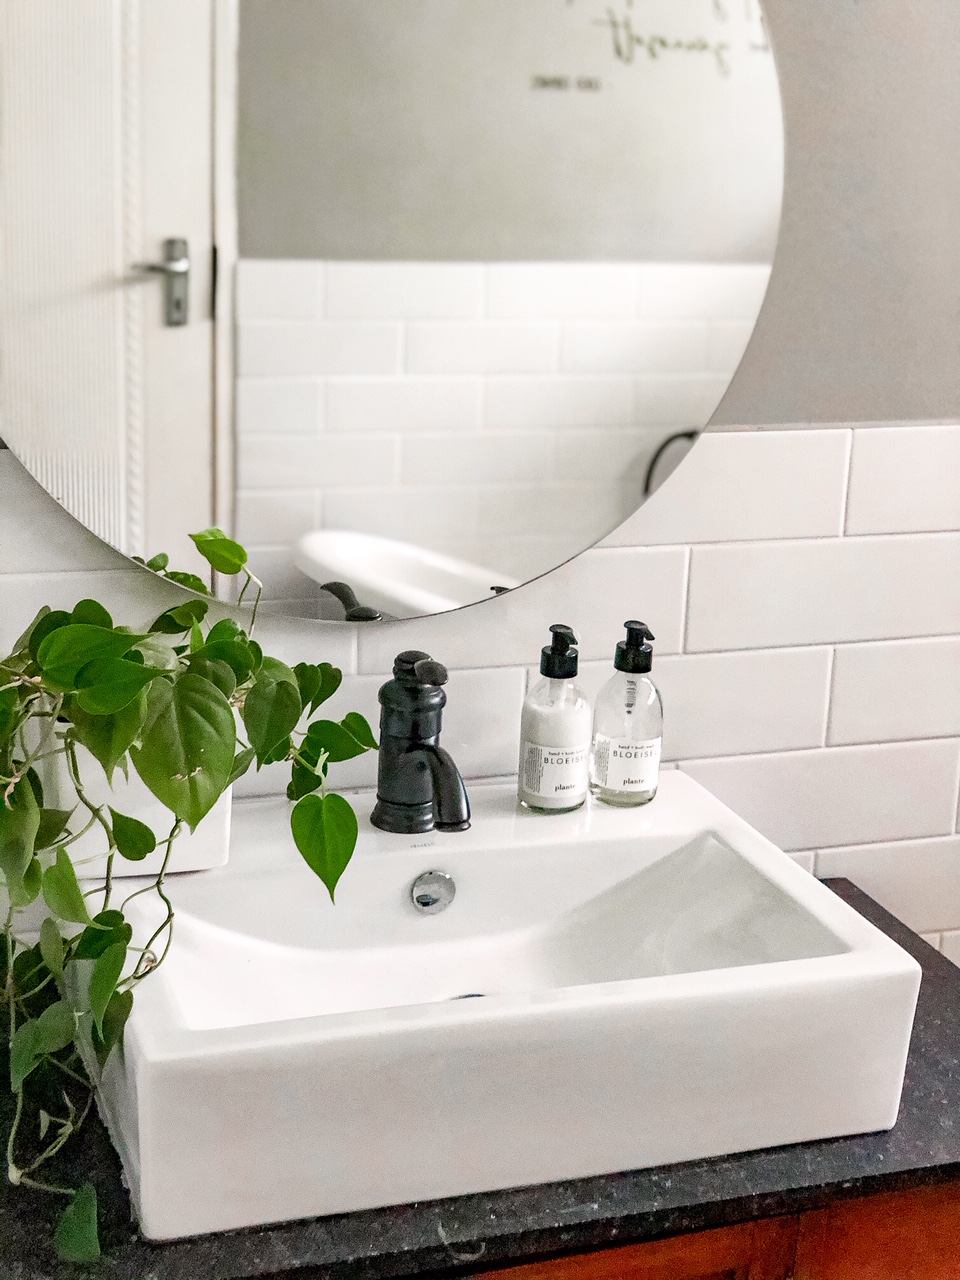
(225, 629)
(110, 684)
(189, 580)
(19, 824)
(114, 1020)
(27, 891)
(23, 640)
(188, 742)
(334, 739)
(158, 652)
(356, 725)
(180, 618)
(76, 1237)
(222, 552)
(24, 1053)
(236, 653)
(134, 838)
(56, 1027)
(217, 672)
(271, 710)
(325, 832)
(51, 946)
(303, 781)
(103, 981)
(64, 653)
(53, 823)
(45, 625)
(242, 762)
(61, 892)
(106, 929)
(9, 711)
(109, 738)
(91, 611)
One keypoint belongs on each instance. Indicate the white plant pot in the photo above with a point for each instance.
(206, 847)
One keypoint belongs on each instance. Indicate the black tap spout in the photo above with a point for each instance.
(451, 807)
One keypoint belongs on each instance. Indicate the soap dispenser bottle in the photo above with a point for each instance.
(628, 725)
(555, 732)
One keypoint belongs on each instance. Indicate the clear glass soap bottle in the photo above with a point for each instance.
(555, 732)
(628, 725)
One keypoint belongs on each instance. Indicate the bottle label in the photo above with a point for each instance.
(555, 773)
(622, 765)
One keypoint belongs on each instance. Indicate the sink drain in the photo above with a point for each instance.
(470, 995)
(432, 891)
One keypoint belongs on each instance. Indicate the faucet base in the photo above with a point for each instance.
(406, 819)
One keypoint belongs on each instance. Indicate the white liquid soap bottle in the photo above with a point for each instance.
(628, 725)
(555, 732)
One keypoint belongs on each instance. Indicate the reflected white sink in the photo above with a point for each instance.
(402, 579)
(658, 985)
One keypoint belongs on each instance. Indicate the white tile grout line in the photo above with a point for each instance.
(685, 620)
(828, 709)
(928, 638)
(795, 540)
(847, 470)
(886, 844)
(834, 749)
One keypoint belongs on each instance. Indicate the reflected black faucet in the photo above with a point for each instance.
(419, 787)
(353, 610)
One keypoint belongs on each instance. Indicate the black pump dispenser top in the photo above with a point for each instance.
(559, 660)
(635, 654)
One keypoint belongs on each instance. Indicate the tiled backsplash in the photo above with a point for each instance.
(505, 413)
(808, 653)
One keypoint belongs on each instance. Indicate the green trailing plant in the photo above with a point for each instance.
(189, 708)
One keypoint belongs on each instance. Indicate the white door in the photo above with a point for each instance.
(107, 146)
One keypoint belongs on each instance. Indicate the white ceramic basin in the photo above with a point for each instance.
(398, 577)
(657, 985)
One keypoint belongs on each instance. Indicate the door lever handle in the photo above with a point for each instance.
(175, 269)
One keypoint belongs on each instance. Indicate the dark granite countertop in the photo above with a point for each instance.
(469, 1233)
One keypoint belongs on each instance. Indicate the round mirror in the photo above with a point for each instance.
(416, 299)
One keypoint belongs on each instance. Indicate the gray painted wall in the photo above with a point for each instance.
(861, 322)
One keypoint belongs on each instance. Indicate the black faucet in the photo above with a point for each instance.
(419, 787)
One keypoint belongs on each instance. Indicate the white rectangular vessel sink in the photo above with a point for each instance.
(653, 985)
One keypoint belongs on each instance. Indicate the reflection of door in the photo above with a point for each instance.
(107, 150)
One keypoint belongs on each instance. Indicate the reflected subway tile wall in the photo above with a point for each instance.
(504, 413)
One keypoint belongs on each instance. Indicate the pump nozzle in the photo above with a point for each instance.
(637, 632)
(559, 659)
(635, 654)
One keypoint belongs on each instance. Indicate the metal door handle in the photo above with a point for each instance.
(175, 269)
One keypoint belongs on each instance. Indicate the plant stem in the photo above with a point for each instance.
(13, 1173)
(139, 973)
(24, 1181)
(96, 812)
(68, 1128)
(39, 750)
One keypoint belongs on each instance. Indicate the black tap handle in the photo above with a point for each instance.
(429, 672)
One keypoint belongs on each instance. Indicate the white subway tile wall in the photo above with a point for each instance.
(370, 384)
(811, 676)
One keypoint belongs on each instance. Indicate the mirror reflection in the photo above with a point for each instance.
(483, 270)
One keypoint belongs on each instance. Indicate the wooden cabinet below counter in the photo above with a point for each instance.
(905, 1235)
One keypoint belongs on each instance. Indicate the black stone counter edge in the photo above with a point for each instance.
(471, 1234)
